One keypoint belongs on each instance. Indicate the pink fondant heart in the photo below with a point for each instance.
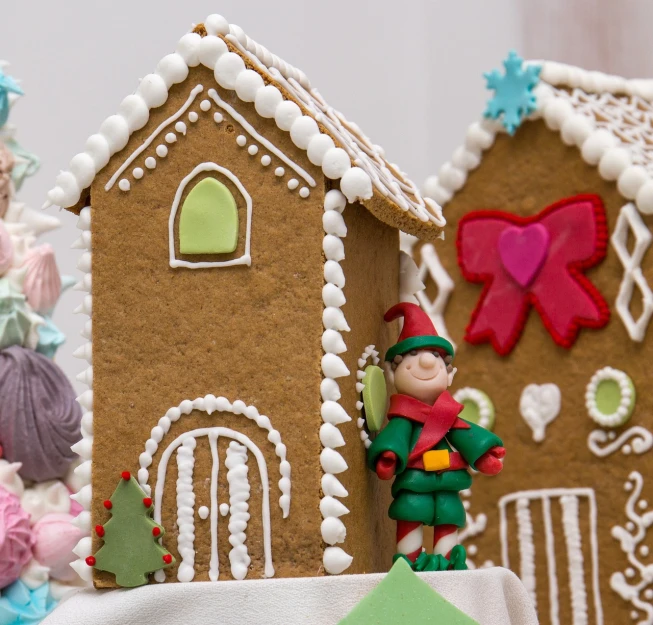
(523, 250)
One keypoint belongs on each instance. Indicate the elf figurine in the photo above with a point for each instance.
(415, 447)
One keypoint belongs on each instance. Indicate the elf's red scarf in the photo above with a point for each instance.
(437, 419)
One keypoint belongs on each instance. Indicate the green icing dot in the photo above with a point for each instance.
(608, 396)
(209, 220)
(375, 397)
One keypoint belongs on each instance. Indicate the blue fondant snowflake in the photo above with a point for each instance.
(513, 91)
(7, 85)
(21, 605)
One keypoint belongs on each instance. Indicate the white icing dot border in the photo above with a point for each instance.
(619, 416)
(357, 182)
(483, 404)
(369, 354)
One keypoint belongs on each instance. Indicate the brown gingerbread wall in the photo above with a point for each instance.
(523, 175)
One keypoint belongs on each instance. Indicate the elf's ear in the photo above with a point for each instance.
(450, 376)
(390, 374)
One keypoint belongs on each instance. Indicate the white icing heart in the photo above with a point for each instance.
(539, 405)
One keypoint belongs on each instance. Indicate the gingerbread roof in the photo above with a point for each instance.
(279, 91)
(609, 119)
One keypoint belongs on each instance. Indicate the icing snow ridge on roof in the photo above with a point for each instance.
(608, 118)
(343, 152)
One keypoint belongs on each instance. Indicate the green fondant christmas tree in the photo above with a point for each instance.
(131, 549)
(402, 597)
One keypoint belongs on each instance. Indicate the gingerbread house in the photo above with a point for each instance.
(245, 241)
(543, 283)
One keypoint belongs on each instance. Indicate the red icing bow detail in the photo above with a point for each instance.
(534, 261)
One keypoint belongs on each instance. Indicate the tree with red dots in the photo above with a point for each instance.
(131, 549)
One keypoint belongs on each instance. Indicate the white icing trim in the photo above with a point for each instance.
(238, 509)
(260, 138)
(214, 565)
(630, 220)
(369, 353)
(526, 548)
(630, 538)
(539, 405)
(335, 559)
(263, 472)
(622, 413)
(245, 259)
(358, 163)
(474, 526)
(185, 509)
(571, 530)
(642, 441)
(485, 407)
(134, 155)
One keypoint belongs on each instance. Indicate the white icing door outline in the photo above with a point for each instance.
(568, 499)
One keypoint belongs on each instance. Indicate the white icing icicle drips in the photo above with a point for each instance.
(238, 509)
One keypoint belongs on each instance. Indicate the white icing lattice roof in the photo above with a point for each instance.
(609, 119)
(338, 146)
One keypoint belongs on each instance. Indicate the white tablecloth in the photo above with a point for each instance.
(491, 596)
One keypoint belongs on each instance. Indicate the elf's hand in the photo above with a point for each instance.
(386, 465)
(491, 462)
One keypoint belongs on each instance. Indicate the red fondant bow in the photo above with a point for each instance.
(534, 261)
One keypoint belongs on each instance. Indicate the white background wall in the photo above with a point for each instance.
(409, 72)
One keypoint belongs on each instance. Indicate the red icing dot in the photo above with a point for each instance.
(156, 531)
(167, 558)
(125, 475)
(147, 502)
(99, 530)
(107, 504)
(90, 561)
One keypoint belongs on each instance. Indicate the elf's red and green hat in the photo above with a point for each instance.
(418, 331)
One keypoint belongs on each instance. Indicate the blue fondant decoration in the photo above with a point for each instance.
(51, 338)
(513, 92)
(26, 163)
(7, 85)
(20, 605)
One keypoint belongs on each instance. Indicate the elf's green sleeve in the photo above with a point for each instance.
(474, 442)
(393, 437)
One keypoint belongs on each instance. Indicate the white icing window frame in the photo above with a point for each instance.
(246, 258)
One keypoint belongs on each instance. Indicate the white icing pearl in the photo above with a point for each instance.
(356, 185)
(332, 342)
(332, 487)
(333, 366)
(333, 296)
(211, 49)
(336, 560)
(83, 168)
(224, 509)
(329, 390)
(332, 462)
(613, 162)
(116, 132)
(465, 160)
(193, 117)
(248, 83)
(267, 100)
(227, 69)
(134, 109)
(575, 130)
(293, 183)
(171, 137)
(556, 112)
(124, 185)
(241, 140)
(279, 171)
(252, 150)
(333, 223)
(332, 412)
(216, 25)
(336, 162)
(644, 198)
(334, 200)
(205, 105)
(203, 512)
(68, 184)
(302, 130)
(333, 273)
(451, 178)
(333, 531)
(217, 117)
(631, 180)
(189, 49)
(335, 319)
(286, 114)
(304, 192)
(150, 162)
(97, 148)
(265, 160)
(153, 90)
(137, 173)
(180, 127)
(478, 138)
(173, 69)
(331, 507)
(596, 145)
(333, 248)
(318, 146)
(161, 150)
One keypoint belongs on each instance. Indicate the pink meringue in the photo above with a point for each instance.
(6, 250)
(42, 285)
(16, 538)
(56, 538)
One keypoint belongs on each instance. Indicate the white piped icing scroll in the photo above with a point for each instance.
(355, 161)
(84, 448)
(335, 559)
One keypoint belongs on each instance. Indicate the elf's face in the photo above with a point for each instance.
(422, 374)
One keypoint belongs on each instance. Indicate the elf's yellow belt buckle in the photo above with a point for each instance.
(436, 460)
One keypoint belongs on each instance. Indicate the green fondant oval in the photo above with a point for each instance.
(375, 397)
(209, 220)
(608, 396)
(472, 412)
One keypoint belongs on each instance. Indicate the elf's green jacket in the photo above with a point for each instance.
(430, 497)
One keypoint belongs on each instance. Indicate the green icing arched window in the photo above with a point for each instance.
(209, 220)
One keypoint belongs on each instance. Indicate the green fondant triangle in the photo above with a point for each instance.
(209, 220)
(403, 598)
